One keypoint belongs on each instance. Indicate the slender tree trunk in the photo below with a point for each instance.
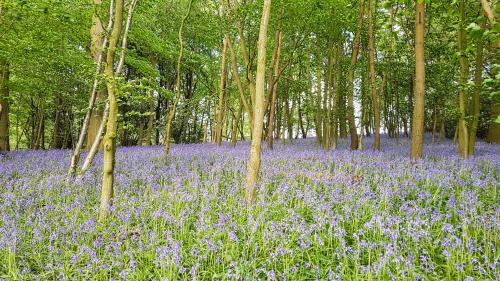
(274, 91)
(75, 157)
(318, 113)
(57, 122)
(109, 142)
(326, 100)
(289, 114)
(4, 107)
(96, 143)
(97, 45)
(434, 124)
(40, 134)
(219, 115)
(236, 77)
(463, 132)
(442, 131)
(417, 131)
(255, 149)
(476, 101)
(236, 121)
(350, 79)
(99, 134)
(373, 83)
(336, 95)
(171, 113)
(151, 122)
(300, 118)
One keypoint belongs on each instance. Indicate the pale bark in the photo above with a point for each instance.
(75, 157)
(97, 142)
(488, 11)
(97, 45)
(98, 137)
(255, 149)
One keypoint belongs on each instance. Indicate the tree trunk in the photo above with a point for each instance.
(350, 79)
(463, 132)
(476, 101)
(57, 123)
(236, 77)
(236, 121)
(336, 95)
(151, 122)
(488, 11)
(417, 131)
(318, 113)
(96, 143)
(4, 107)
(219, 115)
(373, 83)
(171, 113)
(75, 157)
(97, 44)
(255, 149)
(274, 91)
(109, 142)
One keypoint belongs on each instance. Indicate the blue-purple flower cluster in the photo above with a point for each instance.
(336, 215)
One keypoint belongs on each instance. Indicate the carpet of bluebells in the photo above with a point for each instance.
(336, 215)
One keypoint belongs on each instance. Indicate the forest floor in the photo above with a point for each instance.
(336, 215)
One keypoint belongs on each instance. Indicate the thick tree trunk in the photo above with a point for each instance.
(373, 83)
(109, 142)
(463, 132)
(350, 79)
(417, 131)
(259, 110)
(4, 107)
